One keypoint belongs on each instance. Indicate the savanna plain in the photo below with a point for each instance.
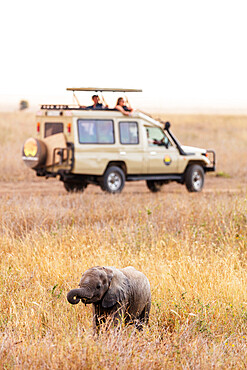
(192, 247)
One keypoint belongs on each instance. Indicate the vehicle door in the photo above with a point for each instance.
(130, 146)
(95, 145)
(162, 156)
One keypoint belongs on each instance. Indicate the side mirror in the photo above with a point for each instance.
(167, 125)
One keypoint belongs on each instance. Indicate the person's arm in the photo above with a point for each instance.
(104, 105)
(128, 105)
(118, 107)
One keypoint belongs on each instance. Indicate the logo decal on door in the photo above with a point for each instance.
(167, 160)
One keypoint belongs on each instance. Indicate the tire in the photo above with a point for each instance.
(194, 178)
(113, 180)
(74, 187)
(34, 153)
(154, 186)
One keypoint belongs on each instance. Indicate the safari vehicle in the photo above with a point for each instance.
(106, 148)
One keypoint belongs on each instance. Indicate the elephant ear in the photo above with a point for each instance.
(117, 291)
(109, 273)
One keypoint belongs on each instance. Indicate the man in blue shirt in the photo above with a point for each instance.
(96, 103)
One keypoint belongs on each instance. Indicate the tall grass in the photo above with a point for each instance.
(15, 128)
(195, 260)
(192, 247)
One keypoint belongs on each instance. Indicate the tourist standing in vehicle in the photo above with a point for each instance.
(123, 107)
(96, 103)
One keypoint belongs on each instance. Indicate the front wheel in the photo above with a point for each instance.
(194, 178)
(113, 180)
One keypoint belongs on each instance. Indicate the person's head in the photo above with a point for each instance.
(95, 99)
(120, 101)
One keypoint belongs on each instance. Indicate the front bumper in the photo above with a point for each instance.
(212, 157)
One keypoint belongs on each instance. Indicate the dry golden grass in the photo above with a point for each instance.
(192, 247)
(15, 128)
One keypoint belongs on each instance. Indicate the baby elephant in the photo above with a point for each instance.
(115, 294)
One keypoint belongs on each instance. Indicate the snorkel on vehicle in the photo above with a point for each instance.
(189, 150)
(167, 126)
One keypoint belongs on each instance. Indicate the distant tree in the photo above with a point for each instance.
(24, 104)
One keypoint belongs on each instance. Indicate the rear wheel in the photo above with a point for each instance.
(113, 180)
(154, 186)
(194, 178)
(75, 187)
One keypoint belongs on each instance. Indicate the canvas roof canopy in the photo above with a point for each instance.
(101, 89)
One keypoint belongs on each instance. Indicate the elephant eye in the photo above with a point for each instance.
(98, 286)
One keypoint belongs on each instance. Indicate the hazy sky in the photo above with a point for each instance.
(182, 53)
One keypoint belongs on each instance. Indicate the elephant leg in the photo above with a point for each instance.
(96, 322)
(98, 318)
(118, 316)
(144, 317)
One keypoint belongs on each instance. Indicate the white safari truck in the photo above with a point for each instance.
(104, 147)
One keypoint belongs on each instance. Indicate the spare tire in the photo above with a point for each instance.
(34, 153)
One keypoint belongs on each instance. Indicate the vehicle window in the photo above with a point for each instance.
(95, 131)
(129, 132)
(52, 128)
(157, 137)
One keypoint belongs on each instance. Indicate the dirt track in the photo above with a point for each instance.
(53, 186)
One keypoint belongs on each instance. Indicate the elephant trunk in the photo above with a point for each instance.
(74, 296)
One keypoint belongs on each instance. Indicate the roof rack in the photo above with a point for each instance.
(54, 106)
(100, 89)
(71, 107)
(79, 107)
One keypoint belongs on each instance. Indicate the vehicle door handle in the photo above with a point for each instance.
(122, 153)
(153, 153)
